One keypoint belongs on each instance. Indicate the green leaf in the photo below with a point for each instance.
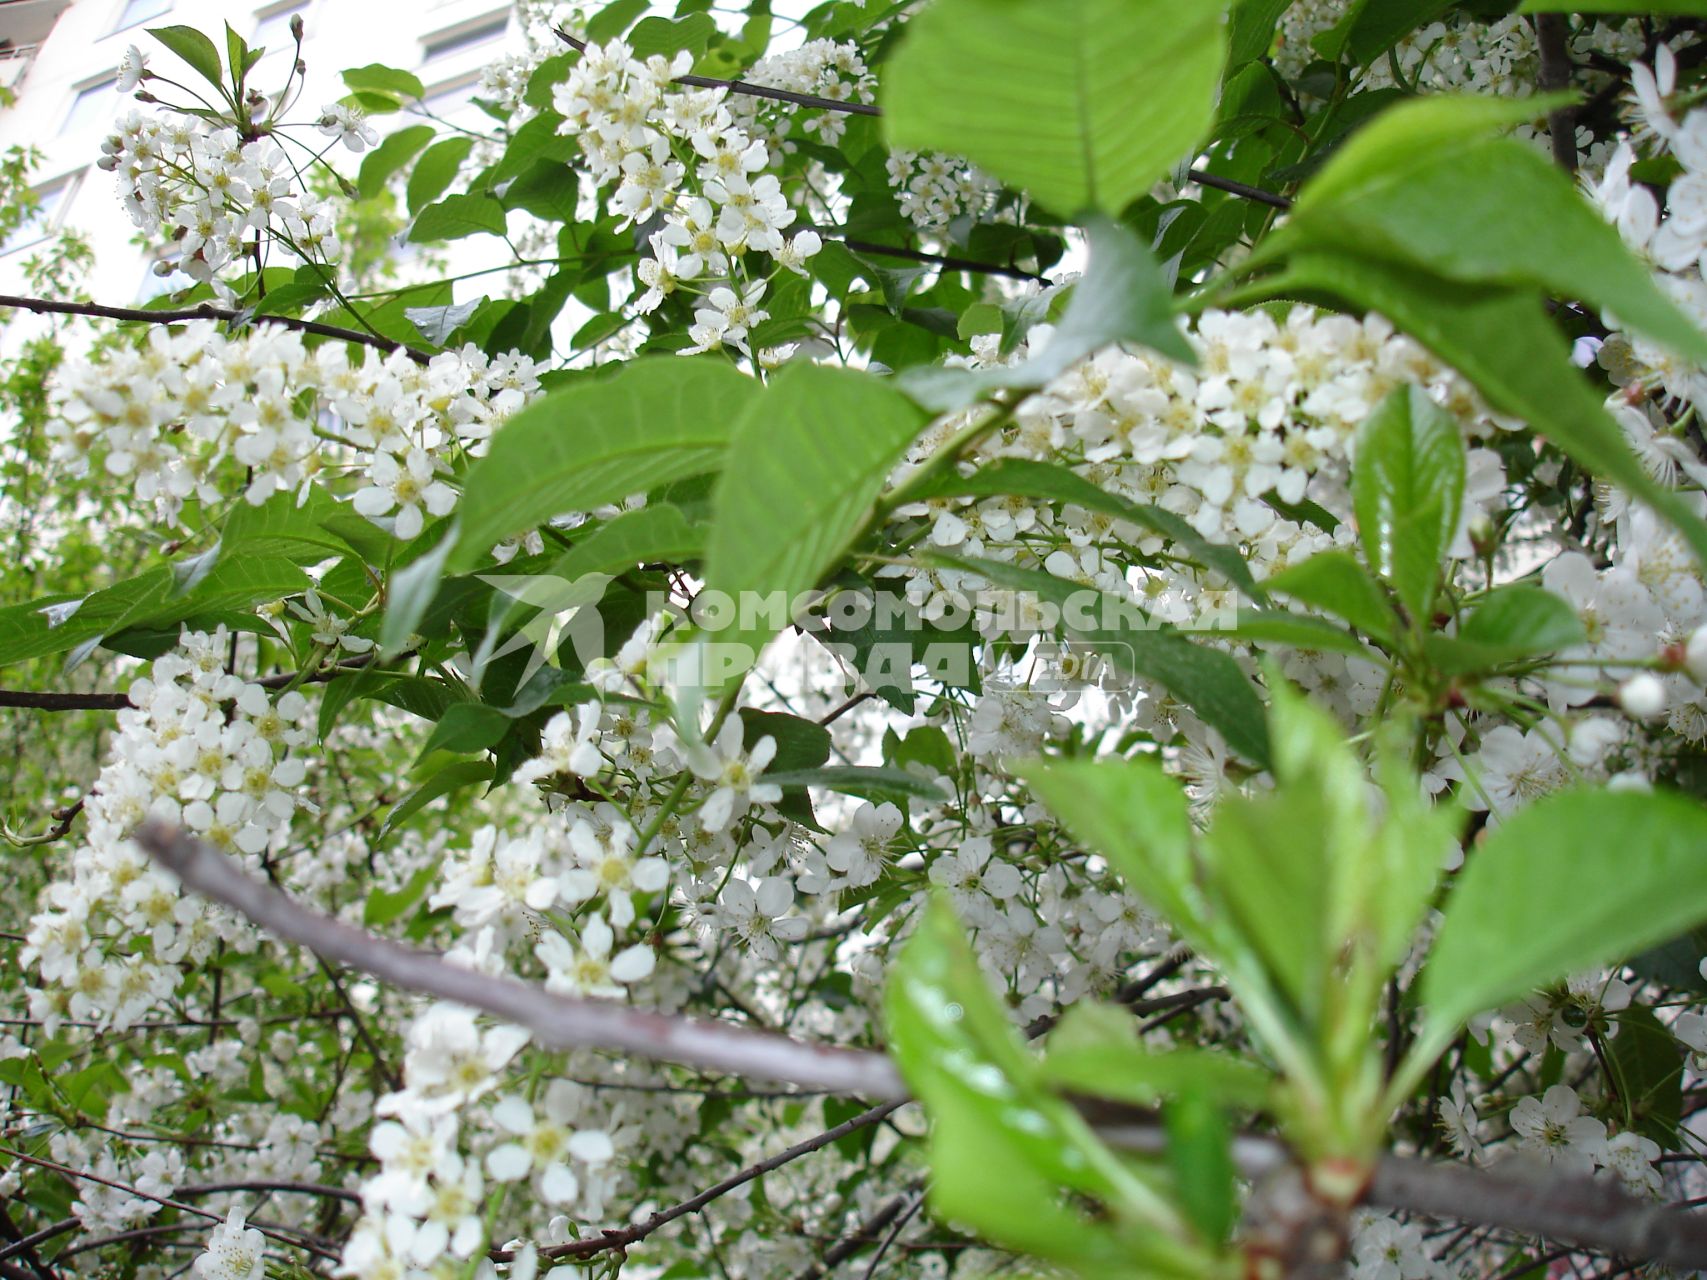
(282, 526)
(1001, 1144)
(410, 592)
(1032, 479)
(466, 727)
(194, 48)
(1420, 186)
(381, 907)
(1122, 297)
(1647, 1075)
(1207, 680)
(1136, 817)
(806, 463)
(657, 419)
(1095, 1050)
(656, 532)
(1253, 29)
(387, 81)
(1407, 486)
(1504, 343)
(1511, 624)
(665, 37)
(453, 777)
(1688, 8)
(1200, 1152)
(393, 152)
(612, 20)
(1336, 583)
(1084, 103)
(435, 171)
(800, 743)
(1260, 627)
(1515, 922)
(458, 216)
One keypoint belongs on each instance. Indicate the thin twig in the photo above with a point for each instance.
(559, 1021)
(207, 311)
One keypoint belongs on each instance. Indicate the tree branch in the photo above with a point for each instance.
(1553, 39)
(559, 1021)
(1587, 1213)
(207, 311)
(31, 700)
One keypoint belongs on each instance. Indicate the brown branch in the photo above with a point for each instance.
(1587, 1213)
(31, 700)
(1553, 39)
(207, 311)
(284, 1235)
(623, 1237)
(559, 1021)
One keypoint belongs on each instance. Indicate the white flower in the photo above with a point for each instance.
(546, 1144)
(1554, 1127)
(406, 483)
(591, 969)
(348, 125)
(608, 866)
(754, 915)
(861, 852)
(235, 1251)
(133, 66)
(973, 877)
(733, 773)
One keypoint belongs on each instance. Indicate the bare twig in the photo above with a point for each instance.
(207, 311)
(1553, 40)
(1580, 1211)
(560, 1021)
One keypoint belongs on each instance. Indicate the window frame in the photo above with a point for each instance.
(119, 23)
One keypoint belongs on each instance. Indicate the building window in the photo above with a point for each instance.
(460, 40)
(135, 11)
(272, 27)
(448, 99)
(51, 202)
(95, 104)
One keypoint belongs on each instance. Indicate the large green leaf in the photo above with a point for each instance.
(1421, 185)
(807, 461)
(1122, 297)
(1511, 624)
(1503, 341)
(1407, 485)
(1688, 8)
(1335, 582)
(657, 531)
(1207, 680)
(1136, 817)
(193, 47)
(1575, 880)
(592, 442)
(1002, 1146)
(1085, 103)
(1095, 1050)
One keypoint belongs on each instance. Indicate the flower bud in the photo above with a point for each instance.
(1642, 696)
(1695, 655)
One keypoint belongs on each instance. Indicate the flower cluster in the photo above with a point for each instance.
(168, 414)
(202, 749)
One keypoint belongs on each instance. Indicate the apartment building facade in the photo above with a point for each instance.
(61, 59)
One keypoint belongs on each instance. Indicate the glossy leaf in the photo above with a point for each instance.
(806, 462)
(1095, 1050)
(1084, 103)
(1423, 186)
(1572, 881)
(1510, 625)
(1336, 583)
(594, 442)
(1504, 343)
(199, 52)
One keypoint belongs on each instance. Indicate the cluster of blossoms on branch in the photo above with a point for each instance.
(624, 856)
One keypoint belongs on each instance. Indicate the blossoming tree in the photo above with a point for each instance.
(1036, 637)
